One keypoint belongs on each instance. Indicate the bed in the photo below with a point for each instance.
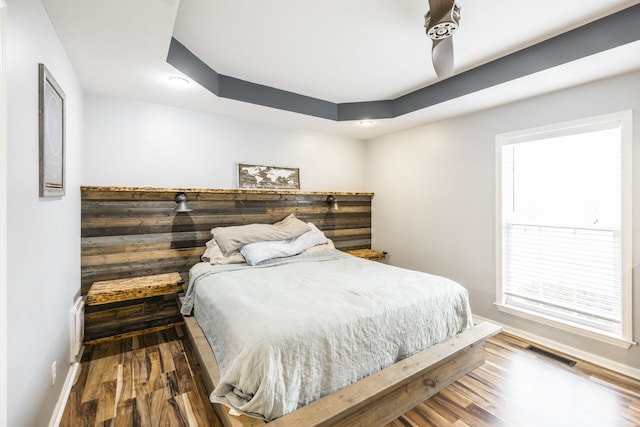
(310, 335)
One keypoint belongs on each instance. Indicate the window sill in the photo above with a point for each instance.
(568, 327)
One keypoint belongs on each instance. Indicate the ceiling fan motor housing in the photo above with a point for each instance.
(447, 26)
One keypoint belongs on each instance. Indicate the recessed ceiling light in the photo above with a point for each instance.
(178, 81)
(366, 123)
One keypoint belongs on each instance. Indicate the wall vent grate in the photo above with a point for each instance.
(551, 355)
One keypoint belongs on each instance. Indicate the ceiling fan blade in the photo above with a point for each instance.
(441, 22)
(442, 56)
(439, 9)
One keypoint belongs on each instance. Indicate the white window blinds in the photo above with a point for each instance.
(561, 225)
(569, 273)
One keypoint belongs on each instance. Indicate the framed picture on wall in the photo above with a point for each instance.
(275, 177)
(52, 134)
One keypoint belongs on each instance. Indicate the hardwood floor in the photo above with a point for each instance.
(152, 380)
(522, 388)
(145, 380)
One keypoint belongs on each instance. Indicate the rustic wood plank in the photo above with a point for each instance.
(138, 268)
(383, 396)
(155, 224)
(92, 274)
(162, 320)
(104, 245)
(130, 289)
(369, 254)
(193, 242)
(134, 333)
(131, 257)
(124, 317)
(112, 193)
(348, 232)
(206, 358)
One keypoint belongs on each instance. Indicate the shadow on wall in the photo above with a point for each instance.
(183, 232)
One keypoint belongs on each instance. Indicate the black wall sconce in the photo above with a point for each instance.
(181, 200)
(333, 203)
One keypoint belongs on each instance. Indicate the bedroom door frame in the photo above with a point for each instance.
(3, 214)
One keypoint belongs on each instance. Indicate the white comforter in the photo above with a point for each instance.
(292, 331)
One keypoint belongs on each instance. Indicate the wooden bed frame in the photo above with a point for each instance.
(374, 400)
(133, 231)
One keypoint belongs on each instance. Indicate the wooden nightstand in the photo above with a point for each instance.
(369, 254)
(126, 307)
(109, 291)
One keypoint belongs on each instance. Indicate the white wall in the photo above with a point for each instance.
(434, 207)
(3, 217)
(130, 143)
(43, 234)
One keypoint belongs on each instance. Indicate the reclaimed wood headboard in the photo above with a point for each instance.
(134, 231)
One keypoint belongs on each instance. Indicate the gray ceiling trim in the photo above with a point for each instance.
(241, 90)
(609, 32)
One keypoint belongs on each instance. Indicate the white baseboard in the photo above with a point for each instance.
(571, 351)
(56, 417)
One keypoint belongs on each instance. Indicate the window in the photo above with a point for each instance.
(564, 226)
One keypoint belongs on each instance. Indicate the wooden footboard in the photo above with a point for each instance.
(374, 400)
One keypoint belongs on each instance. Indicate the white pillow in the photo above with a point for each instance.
(214, 255)
(255, 253)
(319, 248)
(232, 238)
